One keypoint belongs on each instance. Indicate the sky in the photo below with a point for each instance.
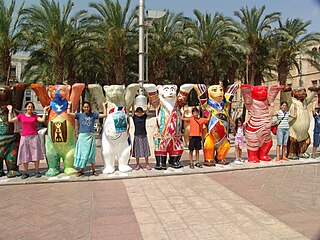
(304, 9)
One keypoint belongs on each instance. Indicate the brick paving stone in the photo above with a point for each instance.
(83, 210)
(289, 194)
(199, 214)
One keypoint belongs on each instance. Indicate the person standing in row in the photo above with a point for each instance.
(316, 130)
(85, 151)
(30, 145)
(283, 128)
(195, 139)
(140, 142)
(238, 140)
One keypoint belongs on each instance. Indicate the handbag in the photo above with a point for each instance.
(274, 128)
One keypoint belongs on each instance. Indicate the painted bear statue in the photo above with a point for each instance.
(116, 144)
(167, 138)
(9, 140)
(60, 140)
(299, 138)
(258, 128)
(215, 102)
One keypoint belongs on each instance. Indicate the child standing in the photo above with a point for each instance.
(85, 151)
(30, 146)
(238, 140)
(140, 141)
(195, 139)
(316, 130)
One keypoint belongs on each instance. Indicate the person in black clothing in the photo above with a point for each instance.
(140, 142)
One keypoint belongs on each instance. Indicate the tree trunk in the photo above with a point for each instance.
(206, 70)
(283, 72)
(5, 63)
(59, 69)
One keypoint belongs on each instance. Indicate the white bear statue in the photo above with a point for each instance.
(115, 142)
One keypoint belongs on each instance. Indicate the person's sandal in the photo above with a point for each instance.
(137, 168)
(95, 173)
(199, 165)
(80, 173)
(191, 165)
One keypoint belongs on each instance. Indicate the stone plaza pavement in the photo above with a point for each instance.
(250, 201)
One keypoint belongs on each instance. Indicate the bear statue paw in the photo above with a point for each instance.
(175, 164)
(52, 172)
(2, 173)
(12, 174)
(108, 169)
(70, 171)
(125, 168)
(223, 161)
(209, 163)
(265, 158)
(253, 160)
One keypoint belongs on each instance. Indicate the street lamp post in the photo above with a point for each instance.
(141, 99)
(151, 16)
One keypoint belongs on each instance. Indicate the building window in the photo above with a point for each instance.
(28, 96)
(13, 73)
(314, 82)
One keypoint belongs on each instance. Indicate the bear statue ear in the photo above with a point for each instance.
(159, 87)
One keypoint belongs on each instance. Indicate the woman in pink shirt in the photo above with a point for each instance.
(30, 146)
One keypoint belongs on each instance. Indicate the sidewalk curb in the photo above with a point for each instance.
(62, 178)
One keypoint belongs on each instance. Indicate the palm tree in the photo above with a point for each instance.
(290, 41)
(214, 40)
(112, 30)
(253, 30)
(9, 38)
(166, 45)
(52, 37)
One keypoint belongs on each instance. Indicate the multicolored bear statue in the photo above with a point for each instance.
(60, 139)
(9, 140)
(215, 103)
(167, 138)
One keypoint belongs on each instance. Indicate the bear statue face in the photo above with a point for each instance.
(216, 93)
(168, 91)
(259, 93)
(299, 93)
(60, 92)
(115, 94)
(5, 94)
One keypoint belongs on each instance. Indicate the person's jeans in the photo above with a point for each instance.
(282, 136)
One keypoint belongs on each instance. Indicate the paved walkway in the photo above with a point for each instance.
(268, 203)
(250, 201)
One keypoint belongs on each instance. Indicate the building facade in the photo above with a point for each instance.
(18, 63)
